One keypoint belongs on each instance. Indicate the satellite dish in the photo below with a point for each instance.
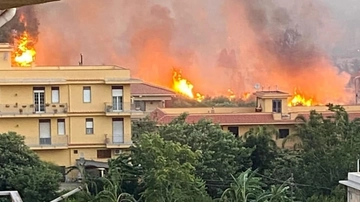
(257, 86)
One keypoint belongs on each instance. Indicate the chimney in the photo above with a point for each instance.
(81, 60)
(212, 110)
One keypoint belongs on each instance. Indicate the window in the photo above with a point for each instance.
(234, 130)
(118, 130)
(87, 94)
(102, 154)
(44, 131)
(140, 105)
(283, 133)
(276, 105)
(61, 126)
(89, 125)
(55, 95)
(117, 97)
(39, 99)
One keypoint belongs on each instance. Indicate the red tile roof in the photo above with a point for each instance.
(234, 119)
(149, 90)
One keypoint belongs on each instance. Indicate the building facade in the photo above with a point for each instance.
(67, 113)
(271, 109)
(148, 97)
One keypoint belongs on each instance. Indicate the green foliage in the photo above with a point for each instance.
(261, 138)
(222, 153)
(22, 170)
(249, 188)
(168, 170)
(220, 101)
(145, 125)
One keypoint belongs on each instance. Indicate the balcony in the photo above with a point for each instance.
(16, 109)
(53, 142)
(124, 108)
(117, 144)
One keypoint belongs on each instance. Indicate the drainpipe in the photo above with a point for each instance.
(6, 16)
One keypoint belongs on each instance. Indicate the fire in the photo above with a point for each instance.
(299, 99)
(185, 87)
(231, 94)
(24, 52)
(245, 96)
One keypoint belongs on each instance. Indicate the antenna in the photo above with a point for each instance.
(257, 86)
(81, 60)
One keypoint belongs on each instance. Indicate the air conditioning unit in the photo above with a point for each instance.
(117, 151)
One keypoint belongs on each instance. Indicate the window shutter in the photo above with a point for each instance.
(89, 124)
(61, 127)
(55, 96)
(45, 130)
(117, 92)
(118, 132)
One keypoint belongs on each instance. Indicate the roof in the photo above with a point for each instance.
(6, 4)
(271, 93)
(235, 118)
(150, 90)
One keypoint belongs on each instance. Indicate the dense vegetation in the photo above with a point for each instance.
(201, 162)
(220, 101)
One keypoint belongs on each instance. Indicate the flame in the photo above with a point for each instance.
(185, 87)
(299, 99)
(245, 96)
(231, 94)
(24, 52)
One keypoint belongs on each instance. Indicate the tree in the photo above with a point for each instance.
(324, 142)
(141, 126)
(249, 188)
(22, 170)
(223, 154)
(167, 170)
(261, 138)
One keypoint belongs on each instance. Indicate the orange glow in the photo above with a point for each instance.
(245, 96)
(184, 87)
(299, 99)
(231, 94)
(24, 52)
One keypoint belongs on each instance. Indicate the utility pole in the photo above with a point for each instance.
(292, 186)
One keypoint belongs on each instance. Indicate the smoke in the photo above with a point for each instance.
(219, 45)
(24, 20)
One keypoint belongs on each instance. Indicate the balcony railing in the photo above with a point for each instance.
(53, 141)
(116, 142)
(13, 109)
(122, 107)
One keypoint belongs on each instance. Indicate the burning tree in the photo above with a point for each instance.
(22, 32)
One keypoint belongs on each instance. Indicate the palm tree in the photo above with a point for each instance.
(245, 188)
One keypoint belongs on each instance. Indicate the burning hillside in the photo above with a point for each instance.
(223, 48)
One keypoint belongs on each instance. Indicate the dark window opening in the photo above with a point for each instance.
(101, 154)
(234, 130)
(276, 106)
(140, 105)
(75, 151)
(283, 133)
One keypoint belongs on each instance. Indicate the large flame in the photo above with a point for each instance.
(300, 99)
(24, 52)
(185, 87)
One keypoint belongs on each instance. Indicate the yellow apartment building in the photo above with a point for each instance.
(67, 113)
(272, 109)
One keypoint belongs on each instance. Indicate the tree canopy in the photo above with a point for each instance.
(22, 170)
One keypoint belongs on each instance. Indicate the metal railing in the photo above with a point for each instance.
(53, 141)
(13, 109)
(119, 107)
(117, 140)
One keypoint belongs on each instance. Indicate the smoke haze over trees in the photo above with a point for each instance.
(235, 42)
